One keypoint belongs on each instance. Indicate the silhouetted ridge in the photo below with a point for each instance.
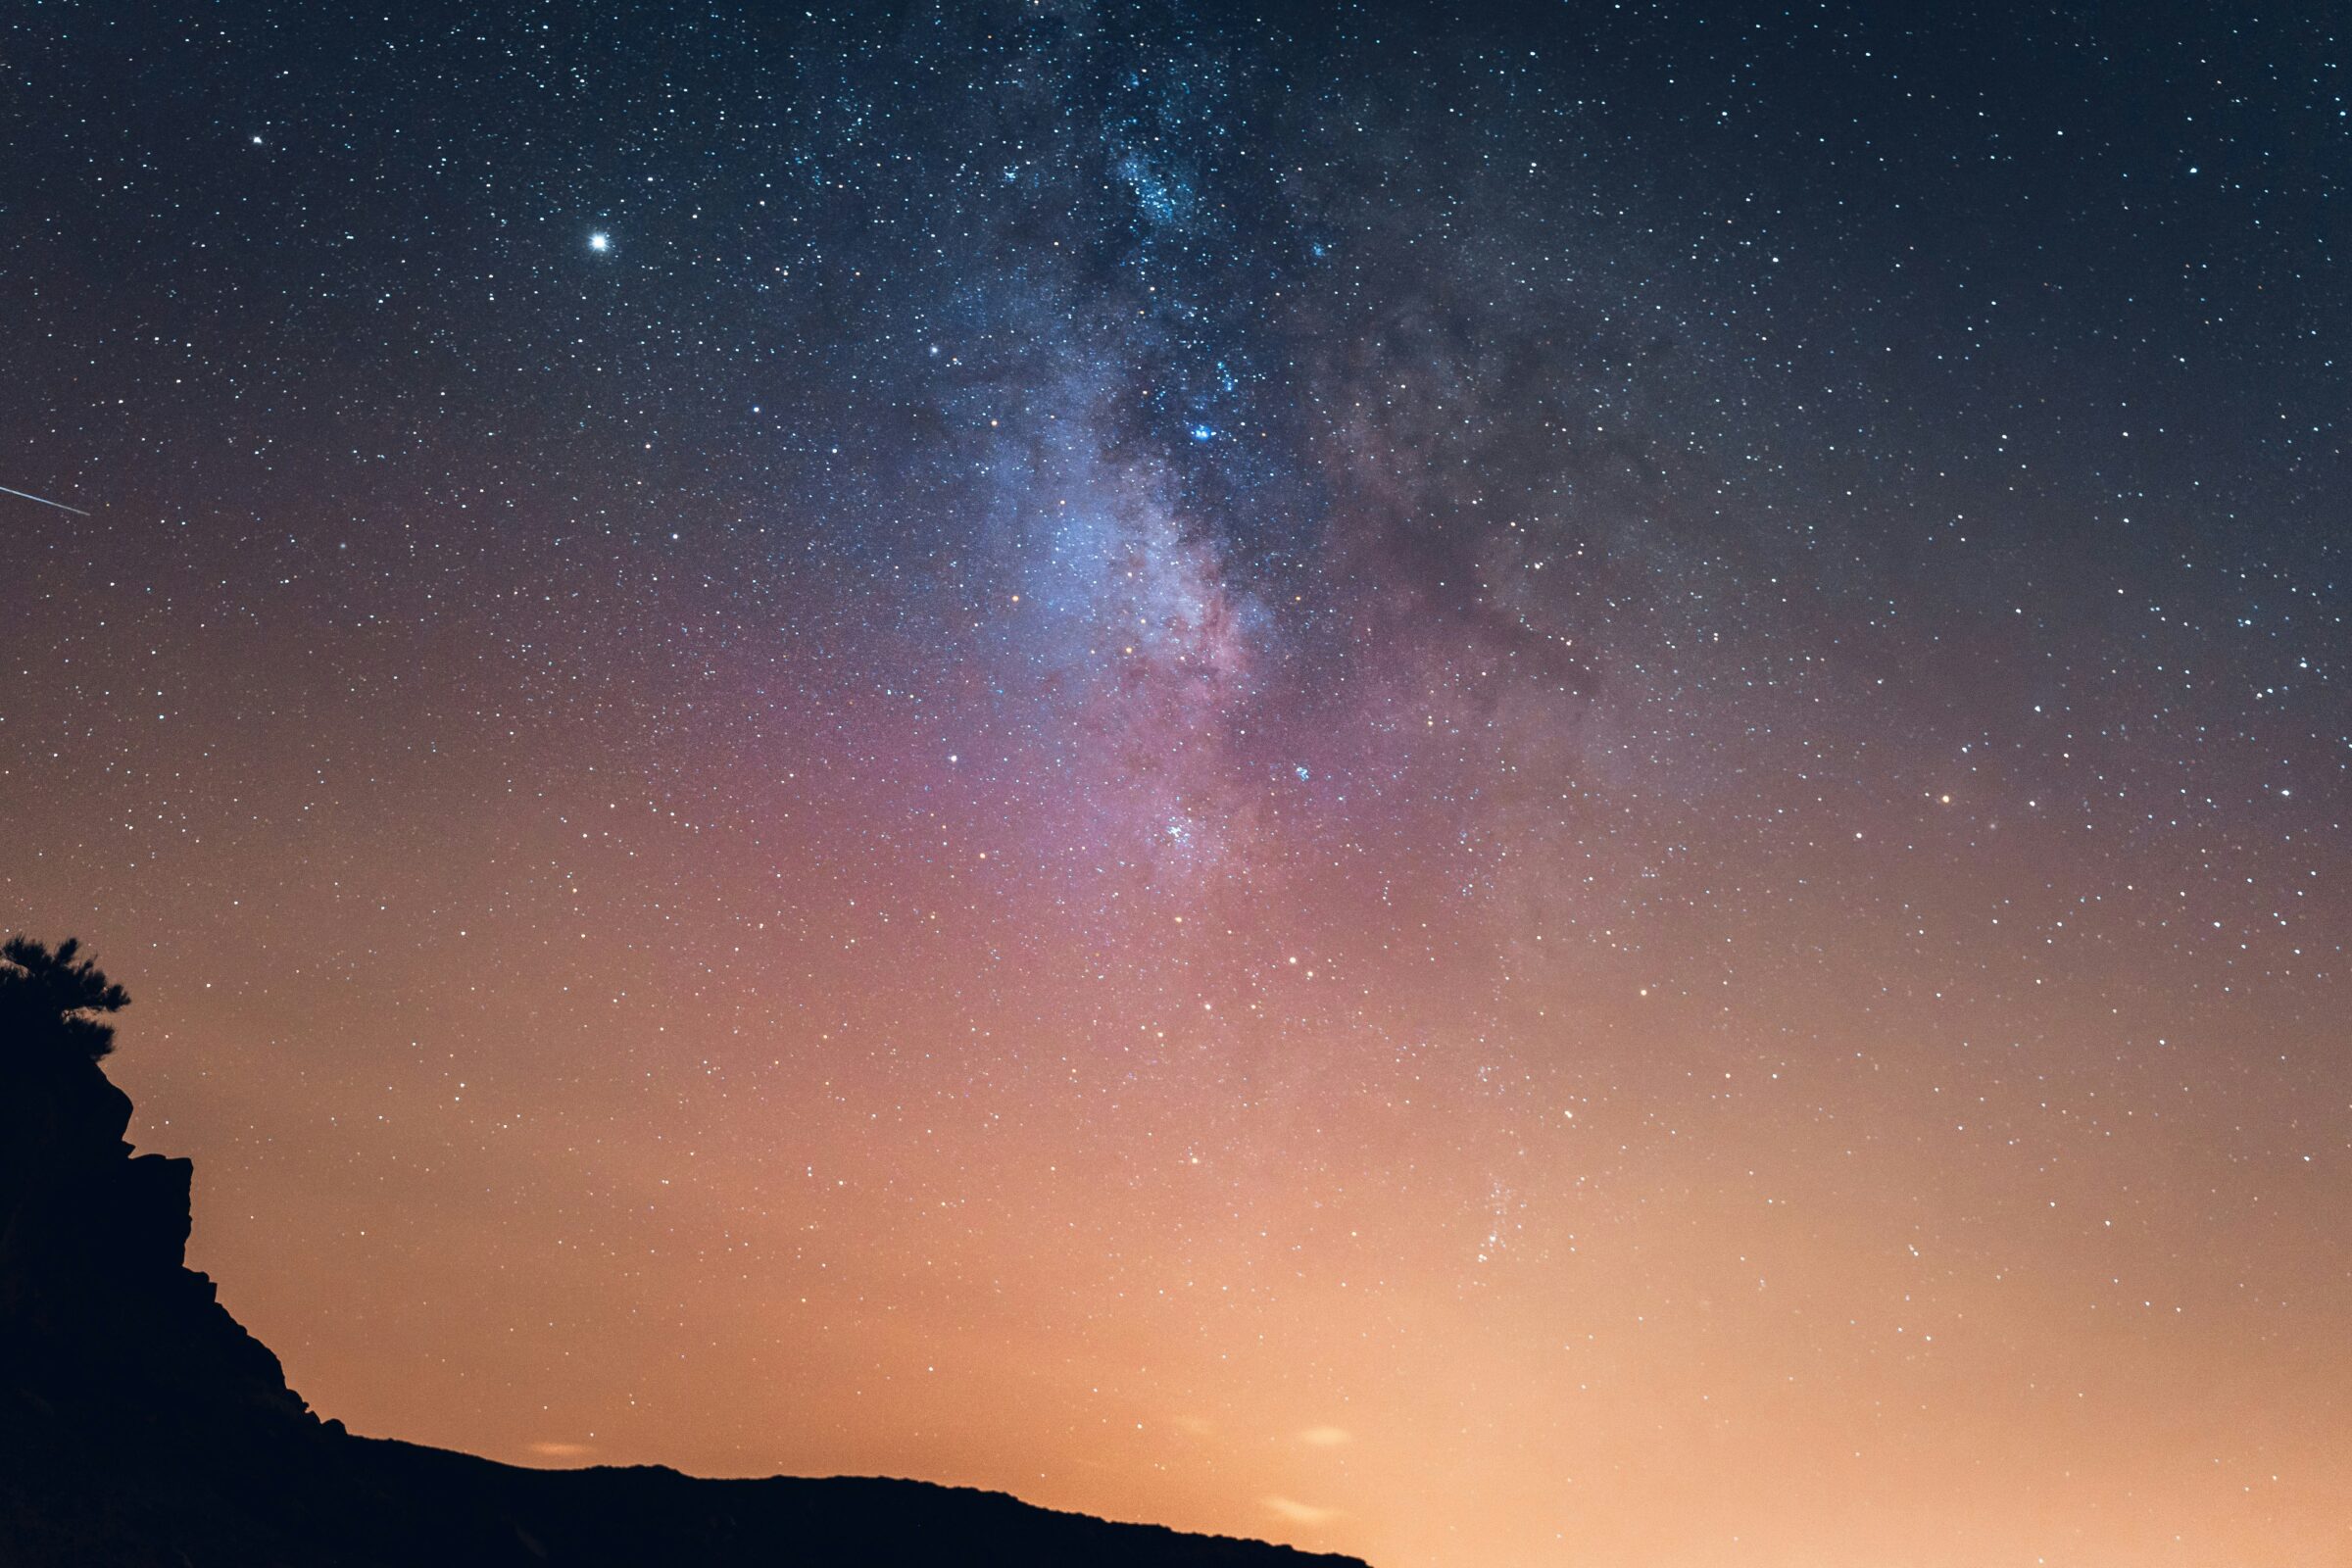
(141, 1424)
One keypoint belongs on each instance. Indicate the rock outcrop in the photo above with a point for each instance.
(97, 1304)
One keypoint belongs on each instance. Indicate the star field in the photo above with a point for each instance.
(1562, 786)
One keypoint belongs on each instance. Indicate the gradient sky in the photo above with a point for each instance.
(1560, 785)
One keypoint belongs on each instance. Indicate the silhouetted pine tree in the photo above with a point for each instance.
(51, 999)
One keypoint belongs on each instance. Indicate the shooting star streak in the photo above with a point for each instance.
(43, 500)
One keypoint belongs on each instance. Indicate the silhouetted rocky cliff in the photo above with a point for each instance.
(141, 1424)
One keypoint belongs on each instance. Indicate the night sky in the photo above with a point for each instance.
(1557, 785)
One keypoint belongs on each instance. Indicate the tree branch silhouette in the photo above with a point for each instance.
(53, 997)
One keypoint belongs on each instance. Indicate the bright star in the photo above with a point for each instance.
(600, 242)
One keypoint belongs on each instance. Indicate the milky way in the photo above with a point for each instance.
(1493, 790)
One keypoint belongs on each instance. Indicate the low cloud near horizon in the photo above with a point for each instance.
(563, 1450)
(1303, 1513)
